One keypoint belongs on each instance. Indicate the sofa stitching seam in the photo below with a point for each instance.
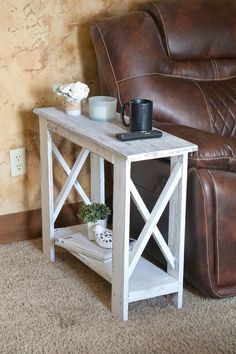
(217, 70)
(214, 68)
(210, 158)
(204, 98)
(164, 28)
(174, 76)
(234, 101)
(110, 62)
(207, 251)
(217, 232)
(224, 120)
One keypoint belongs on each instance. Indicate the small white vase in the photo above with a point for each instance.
(91, 226)
(73, 108)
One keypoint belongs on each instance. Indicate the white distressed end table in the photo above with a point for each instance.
(132, 276)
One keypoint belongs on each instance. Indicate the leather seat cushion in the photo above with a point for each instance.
(214, 151)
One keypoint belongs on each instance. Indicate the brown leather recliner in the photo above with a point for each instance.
(181, 54)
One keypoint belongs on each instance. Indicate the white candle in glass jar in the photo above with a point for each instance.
(102, 108)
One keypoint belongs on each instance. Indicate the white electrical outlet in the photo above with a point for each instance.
(18, 162)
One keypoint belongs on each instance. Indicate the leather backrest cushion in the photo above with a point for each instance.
(130, 42)
(196, 29)
(131, 45)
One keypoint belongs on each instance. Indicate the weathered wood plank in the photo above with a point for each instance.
(154, 217)
(156, 233)
(176, 235)
(47, 190)
(97, 178)
(101, 138)
(120, 239)
(67, 170)
(70, 181)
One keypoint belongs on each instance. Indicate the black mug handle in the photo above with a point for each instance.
(122, 113)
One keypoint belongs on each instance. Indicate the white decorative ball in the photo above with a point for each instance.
(103, 236)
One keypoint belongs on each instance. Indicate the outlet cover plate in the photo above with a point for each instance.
(18, 162)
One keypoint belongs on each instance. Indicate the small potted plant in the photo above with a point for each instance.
(93, 214)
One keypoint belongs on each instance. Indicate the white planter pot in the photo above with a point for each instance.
(91, 225)
(73, 108)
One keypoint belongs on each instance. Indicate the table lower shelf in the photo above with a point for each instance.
(146, 281)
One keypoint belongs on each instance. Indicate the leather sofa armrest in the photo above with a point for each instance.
(214, 151)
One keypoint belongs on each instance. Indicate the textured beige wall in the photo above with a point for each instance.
(41, 43)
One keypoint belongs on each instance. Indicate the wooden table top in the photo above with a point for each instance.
(103, 135)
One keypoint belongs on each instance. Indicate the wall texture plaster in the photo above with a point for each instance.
(42, 43)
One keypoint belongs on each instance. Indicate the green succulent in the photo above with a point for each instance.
(94, 212)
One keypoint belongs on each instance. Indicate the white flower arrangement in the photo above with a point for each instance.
(73, 91)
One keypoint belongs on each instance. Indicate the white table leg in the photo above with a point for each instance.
(97, 178)
(120, 239)
(47, 190)
(177, 212)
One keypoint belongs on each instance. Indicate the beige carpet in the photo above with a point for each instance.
(64, 307)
